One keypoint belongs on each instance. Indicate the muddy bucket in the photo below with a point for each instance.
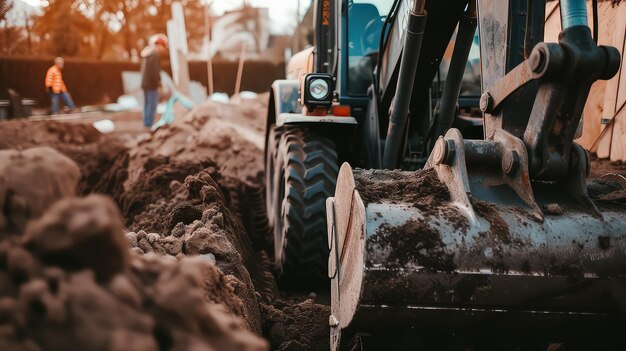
(406, 256)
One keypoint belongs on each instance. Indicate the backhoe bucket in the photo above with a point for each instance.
(406, 254)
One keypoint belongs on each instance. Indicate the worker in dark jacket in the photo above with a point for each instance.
(151, 75)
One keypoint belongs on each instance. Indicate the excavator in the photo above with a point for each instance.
(447, 216)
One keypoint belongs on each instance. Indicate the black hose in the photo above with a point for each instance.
(452, 87)
(404, 89)
(381, 47)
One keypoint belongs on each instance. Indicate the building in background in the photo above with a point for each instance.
(247, 28)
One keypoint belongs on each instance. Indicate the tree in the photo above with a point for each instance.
(160, 11)
(5, 7)
(108, 28)
(63, 28)
(9, 36)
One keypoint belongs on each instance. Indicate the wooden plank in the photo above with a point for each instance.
(553, 22)
(618, 141)
(612, 143)
(620, 43)
(602, 146)
(618, 18)
(592, 115)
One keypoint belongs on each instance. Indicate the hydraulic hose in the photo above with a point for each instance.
(452, 88)
(404, 88)
(573, 13)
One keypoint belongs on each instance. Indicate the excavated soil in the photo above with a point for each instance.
(162, 260)
(600, 167)
(92, 151)
(498, 229)
(69, 281)
(414, 242)
(421, 188)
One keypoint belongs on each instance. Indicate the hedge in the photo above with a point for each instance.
(95, 82)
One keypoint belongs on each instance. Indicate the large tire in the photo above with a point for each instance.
(271, 147)
(306, 171)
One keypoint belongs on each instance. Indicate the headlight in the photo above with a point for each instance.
(319, 89)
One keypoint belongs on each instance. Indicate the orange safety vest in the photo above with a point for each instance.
(54, 80)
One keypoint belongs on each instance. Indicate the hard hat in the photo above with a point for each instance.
(159, 39)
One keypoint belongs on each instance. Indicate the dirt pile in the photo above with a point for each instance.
(182, 192)
(92, 151)
(179, 192)
(192, 218)
(421, 188)
(69, 281)
(292, 325)
(220, 133)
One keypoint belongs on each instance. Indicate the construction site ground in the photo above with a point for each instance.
(144, 240)
(147, 240)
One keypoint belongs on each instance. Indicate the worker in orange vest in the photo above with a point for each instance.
(56, 86)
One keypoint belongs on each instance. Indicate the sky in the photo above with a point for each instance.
(282, 12)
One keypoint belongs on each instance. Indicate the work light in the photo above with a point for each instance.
(316, 90)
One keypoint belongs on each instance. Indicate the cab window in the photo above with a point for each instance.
(365, 24)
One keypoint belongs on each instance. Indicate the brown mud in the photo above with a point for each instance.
(420, 188)
(498, 229)
(413, 242)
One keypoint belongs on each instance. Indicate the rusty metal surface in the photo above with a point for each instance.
(502, 31)
(518, 179)
(505, 87)
(454, 175)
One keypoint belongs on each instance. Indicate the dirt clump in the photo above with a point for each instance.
(73, 230)
(156, 183)
(92, 151)
(20, 171)
(421, 188)
(498, 229)
(296, 326)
